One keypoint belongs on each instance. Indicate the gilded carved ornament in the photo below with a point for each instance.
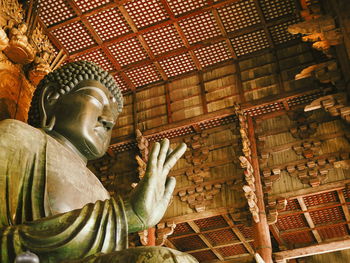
(22, 46)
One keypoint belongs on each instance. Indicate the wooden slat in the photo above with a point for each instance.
(309, 219)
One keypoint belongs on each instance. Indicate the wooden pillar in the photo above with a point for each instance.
(261, 229)
(151, 236)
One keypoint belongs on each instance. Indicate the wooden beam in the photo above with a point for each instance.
(326, 247)
(309, 219)
(262, 233)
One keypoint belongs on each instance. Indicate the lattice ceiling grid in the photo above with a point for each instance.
(164, 38)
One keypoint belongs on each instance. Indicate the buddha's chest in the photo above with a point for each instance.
(69, 184)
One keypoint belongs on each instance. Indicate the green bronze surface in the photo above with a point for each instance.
(51, 204)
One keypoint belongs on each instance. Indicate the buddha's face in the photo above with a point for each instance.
(85, 117)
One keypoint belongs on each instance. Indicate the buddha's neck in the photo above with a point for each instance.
(65, 142)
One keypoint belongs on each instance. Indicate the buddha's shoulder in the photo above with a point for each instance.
(19, 130)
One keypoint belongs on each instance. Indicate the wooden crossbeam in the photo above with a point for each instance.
(204, 239)
(322, 248)
(309, 219)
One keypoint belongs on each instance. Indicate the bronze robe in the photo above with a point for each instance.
(33, 218)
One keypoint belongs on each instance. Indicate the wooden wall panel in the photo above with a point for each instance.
(125, 121)
(185, 98)
(221, 88)
(151, 108)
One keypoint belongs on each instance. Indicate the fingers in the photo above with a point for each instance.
(169, 189)
(169, 151)
(173, 158)
(152, 160)
(164, 146)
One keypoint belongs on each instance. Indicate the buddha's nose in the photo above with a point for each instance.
(106, 122)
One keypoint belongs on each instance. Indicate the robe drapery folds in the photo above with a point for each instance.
(26, 221)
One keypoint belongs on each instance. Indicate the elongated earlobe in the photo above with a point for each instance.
(46, 101)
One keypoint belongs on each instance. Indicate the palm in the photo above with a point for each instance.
(151, 197)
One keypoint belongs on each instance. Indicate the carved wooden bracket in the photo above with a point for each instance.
(198, 154)
(327, 72)
(335, 104)
(308, 149)
(163, 231)
(313, 171)
(273, 208)
(201, 196)
(269, 177)
(304, 130)
(142, 144)
(249, 186)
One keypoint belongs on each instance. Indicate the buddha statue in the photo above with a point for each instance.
(51, 204)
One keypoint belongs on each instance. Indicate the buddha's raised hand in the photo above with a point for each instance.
(150, 199)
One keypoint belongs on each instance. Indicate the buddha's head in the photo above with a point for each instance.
(78, 103)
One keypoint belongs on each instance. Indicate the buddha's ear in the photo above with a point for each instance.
(47, 103)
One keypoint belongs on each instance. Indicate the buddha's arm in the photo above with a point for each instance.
(98, 227)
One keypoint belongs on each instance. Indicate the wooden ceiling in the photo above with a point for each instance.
(142, 42)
